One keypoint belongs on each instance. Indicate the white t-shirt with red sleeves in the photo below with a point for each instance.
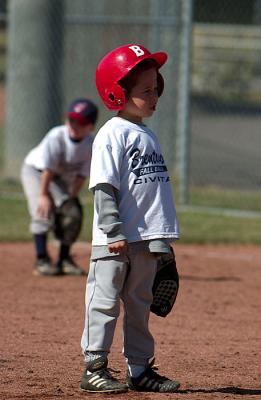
(128, 156)
(60, 154)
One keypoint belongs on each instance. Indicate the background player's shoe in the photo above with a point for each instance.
(43, 266)
(69, 267)
(97, 378)
(151, 381)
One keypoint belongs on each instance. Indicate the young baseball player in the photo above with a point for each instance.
(53, 172)
(134, 221)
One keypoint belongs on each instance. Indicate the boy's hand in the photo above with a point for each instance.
(44, 206)
(118, 247)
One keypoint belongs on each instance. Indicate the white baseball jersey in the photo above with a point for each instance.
(60, 154)
(128, 156)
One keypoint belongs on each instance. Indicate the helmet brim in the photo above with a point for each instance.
(160, 58)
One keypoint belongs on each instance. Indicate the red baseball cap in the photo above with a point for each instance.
(83, 110)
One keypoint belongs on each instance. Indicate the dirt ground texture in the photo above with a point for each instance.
(210, 342)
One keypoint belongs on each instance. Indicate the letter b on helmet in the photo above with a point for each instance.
(137, 50)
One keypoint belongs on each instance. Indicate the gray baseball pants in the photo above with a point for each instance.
(31, 179)
(128, 278)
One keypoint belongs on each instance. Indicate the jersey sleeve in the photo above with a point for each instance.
(106, 161)
(52, 152)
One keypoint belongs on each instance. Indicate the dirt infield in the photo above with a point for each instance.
(211, 341)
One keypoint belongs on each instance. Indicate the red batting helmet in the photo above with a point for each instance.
(116, 65)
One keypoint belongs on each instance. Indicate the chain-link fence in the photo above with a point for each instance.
(207, 120)
(226, 105)
(226, 98)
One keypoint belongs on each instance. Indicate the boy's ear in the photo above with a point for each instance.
(160, 82)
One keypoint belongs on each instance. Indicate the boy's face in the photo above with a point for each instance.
(143, 97)
(78, 131)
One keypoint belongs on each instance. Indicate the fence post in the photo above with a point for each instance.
(183, 100)
(33, 76)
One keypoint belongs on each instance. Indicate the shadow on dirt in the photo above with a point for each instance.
(228, 390)
(210, 279)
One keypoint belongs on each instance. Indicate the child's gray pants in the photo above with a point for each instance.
(129, 278)
(31, 180)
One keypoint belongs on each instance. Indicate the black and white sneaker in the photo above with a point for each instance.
(97, 378)
(44, 267)
(69, 267)
(151, 381)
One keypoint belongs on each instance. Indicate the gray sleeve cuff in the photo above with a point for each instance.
(106, 204)
(115, 236)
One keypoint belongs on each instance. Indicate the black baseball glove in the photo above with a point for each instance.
(166, 285)
(68, 221)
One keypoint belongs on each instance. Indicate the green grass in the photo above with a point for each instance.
(14, 220)
(3, 38)
(204, 228)
(208, 217)
(212, 196)
(196, 226)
